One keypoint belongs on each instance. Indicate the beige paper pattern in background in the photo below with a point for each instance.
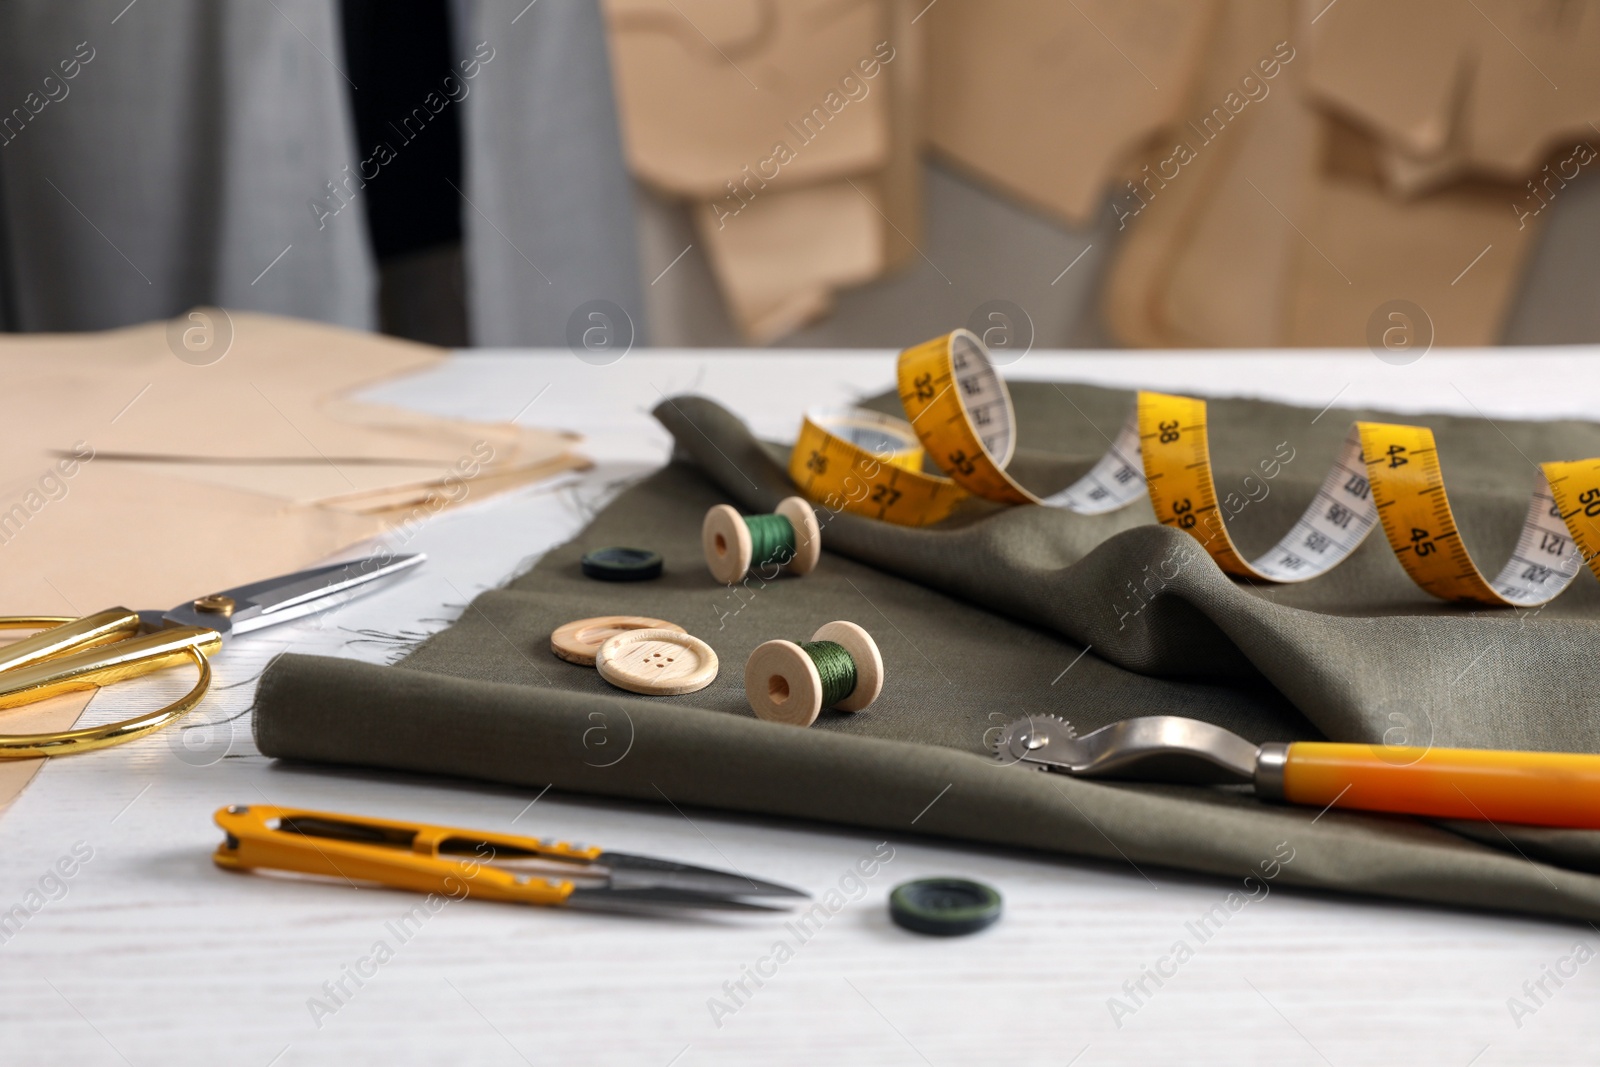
(1032, 98)
(790, 130)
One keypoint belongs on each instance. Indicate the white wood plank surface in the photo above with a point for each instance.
(148, 954)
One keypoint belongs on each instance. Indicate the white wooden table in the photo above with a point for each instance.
(150, 955)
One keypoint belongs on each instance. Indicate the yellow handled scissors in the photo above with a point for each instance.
(117, 644)
(457, 863)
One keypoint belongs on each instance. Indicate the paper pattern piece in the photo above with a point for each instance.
(1218, 134)
(1046, 101)
(134, 476)
(788, 129)
(1372, 171)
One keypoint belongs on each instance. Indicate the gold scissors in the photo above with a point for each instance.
(117, 644)
(449, 862)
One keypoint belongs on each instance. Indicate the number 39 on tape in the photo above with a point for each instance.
(960, 414)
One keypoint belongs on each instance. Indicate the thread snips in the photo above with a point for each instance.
(474, 863)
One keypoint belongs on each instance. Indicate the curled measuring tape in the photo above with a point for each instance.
(1383, 475)
(862, 461)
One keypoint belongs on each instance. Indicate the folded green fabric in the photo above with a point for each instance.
(1005, 612)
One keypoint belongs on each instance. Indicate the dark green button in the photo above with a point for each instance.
(944, 906)
(622, 564)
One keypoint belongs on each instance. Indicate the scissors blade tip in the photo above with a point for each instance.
(609, 898)
(629, 869)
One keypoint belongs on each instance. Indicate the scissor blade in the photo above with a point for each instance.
(631, 872)
(293, 596)
(610, 899)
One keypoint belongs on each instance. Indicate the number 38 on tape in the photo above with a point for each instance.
(961, 416)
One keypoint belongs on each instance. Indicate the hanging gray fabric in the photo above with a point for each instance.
(550, 224)
(156, 156)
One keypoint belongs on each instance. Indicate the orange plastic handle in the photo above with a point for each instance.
(1534, 788)
(399, 854)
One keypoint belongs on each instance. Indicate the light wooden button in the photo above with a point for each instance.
(657, 662)
(578, 641)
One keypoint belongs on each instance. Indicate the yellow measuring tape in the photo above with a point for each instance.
(960, 415)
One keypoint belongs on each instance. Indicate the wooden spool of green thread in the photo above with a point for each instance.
(788, 541)
(840, 667)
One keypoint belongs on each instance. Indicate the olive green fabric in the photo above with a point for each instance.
(1006, 612)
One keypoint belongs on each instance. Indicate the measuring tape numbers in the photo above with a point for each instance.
(962, 413)
(1408, 486)
(852, 459)
(1383, 476)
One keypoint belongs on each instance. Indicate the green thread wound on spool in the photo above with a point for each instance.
(835, 667)
(771, 539)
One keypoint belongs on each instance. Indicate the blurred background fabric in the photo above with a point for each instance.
(1205, 173)
(177, 164)
(227, 152)
(1160, 173)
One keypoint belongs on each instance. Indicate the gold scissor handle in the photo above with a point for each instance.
(103, 664)
(64, 635)
(89, 738)
(87, 653)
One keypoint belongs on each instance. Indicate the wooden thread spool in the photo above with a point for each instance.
(783, 683)
(733, 541)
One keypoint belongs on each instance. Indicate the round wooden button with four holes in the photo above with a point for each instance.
(656, 663)
(578, 641)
